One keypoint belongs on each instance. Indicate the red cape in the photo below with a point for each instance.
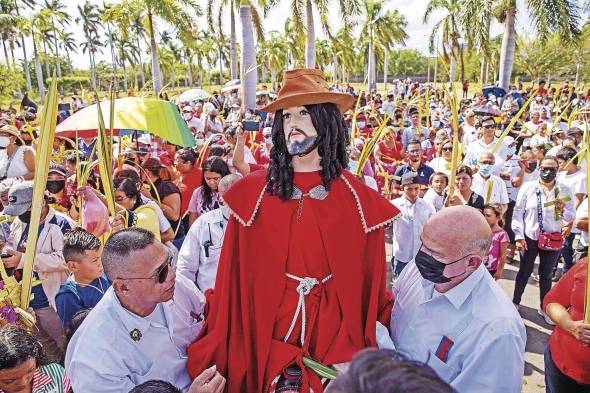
(251, 277)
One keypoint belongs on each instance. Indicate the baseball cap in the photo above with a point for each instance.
(409, 178)
(20, 198)
(56, 168)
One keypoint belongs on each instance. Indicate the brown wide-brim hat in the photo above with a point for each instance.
(306, 86)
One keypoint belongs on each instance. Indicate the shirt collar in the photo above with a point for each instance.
(459, 294)
(130, 320)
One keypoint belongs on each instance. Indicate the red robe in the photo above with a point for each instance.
(253, 302)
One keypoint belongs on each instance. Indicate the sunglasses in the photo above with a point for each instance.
(488, 126)
(447, 149)
(161, 273)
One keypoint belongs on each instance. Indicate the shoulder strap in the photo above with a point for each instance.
(539, 208)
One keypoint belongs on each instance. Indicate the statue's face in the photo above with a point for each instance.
(300, 134)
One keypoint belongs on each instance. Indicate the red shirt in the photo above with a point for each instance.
(390, 155)
(191, 181)
(569, 355)
(261, 155)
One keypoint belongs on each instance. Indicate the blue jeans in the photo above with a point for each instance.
(568, 252)
(558, 382)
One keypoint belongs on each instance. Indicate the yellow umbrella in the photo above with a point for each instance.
(158, 117)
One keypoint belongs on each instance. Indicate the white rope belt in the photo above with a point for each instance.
(306, 284)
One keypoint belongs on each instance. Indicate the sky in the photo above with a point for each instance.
(418, 32)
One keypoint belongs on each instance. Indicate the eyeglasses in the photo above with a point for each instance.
(447, 149)
(161, 274)
(488, 126)
(121, 198)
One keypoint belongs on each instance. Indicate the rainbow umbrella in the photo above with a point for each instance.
(157, 117)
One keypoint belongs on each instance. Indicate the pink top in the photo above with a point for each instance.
(196, 204)
(491, 260)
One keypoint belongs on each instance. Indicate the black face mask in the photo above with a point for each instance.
(532, 166)
(432, 270)
(55, 186)
(25, 217)
(548, 175)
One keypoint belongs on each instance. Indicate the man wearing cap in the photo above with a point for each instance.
(317, 287)
(415, 211)
(49, 265)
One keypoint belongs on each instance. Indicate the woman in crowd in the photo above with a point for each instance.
(23, 368)
(16, 159)
(567, 357)
(158, 179)
(442, 162)
(205, 198)
(134, 212)
(463, 194)
(496, 258)
(533, 220)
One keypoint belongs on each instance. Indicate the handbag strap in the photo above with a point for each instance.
(539, 209)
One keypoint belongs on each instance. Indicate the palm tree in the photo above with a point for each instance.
(30, 28)
(16, 9)
(90, 19)
(475, 20)
(295, 44)
(380, 30)
(451, 30)
(347, 8)
(68, 44)
(343, 46)
(111, 38)
(7, 24)
(174, 12)
(561, 16)
(271, 53)
(55, 11)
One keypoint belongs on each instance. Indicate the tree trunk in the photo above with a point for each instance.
(462, 60)
(25, 59)
(249, 74)
(140, 61)
(113, 57)
(453, 68)
(233, 48)
(57, 62)
(577, 73)
(220, 66)
(6, 54)
(508, 48)
(385, 72)
(156, 73)
(39, 73)
(47, 69)
(310, 45)
(482, 71)
(335, 68)
(125, 84)
(428, 72)
(93, 70)
(372, 75)
(189, 60)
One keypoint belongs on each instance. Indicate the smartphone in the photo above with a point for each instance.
(251, 125)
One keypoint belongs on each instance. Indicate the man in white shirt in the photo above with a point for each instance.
(389, 105)
(486, 143)
(408, 227)
(200, 251)
(488, 185)
(449, 312)
(469, 129)
(141, 328)
(415, 130)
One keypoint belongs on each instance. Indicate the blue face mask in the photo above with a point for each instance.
(485, 170)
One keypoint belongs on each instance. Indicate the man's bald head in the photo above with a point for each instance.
(227, 182)
(486, 156)
(457, 231)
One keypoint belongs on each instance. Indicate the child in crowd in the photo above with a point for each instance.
(87, 283)
(438, 182)
(496, 258)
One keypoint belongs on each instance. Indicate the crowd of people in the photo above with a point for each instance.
(180, 266)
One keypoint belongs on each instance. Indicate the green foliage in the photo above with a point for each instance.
(407, 62)
(11, 82)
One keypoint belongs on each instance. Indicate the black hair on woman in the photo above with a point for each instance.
(17, 346)
(131, 189)
(216, 165)
(332, 140)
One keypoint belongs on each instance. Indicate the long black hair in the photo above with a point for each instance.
(327, 120)
(217, 165)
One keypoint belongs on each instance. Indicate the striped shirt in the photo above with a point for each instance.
(50, 379)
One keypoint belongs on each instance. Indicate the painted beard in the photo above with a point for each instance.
(301, 148)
